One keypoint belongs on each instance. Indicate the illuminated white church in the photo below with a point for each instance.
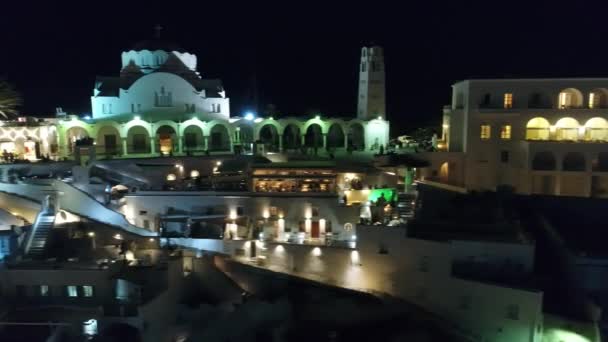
(160, 104)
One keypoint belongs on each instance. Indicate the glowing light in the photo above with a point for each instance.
(279, 249)
(137, 118)
(316, 251)
(390, 173)
(266, 213)
(379, 118)
(581, 130)
(151, 239)
(322, 226)
(318, 117)
(15, 213)
(258, 120)
(118, 236)
(446, 125)
(353, 237)
(87, 117)
(249, 116)
(355, 258)
(171, 177)
(271, 118)
(194, 174)
(218, 163)
(232, 215)
(308, 213)
(91, 234)
(129, 256)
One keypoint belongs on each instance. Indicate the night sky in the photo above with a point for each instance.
(305, 56)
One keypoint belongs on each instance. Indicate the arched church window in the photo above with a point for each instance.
(218, 108)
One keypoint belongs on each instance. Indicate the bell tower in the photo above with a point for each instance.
(372, 95)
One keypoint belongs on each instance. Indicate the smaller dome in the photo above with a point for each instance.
(157, 44)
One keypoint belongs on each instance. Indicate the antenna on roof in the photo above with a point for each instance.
(157, 28)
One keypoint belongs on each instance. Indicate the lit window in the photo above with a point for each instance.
(485, 132)
(592, 99)
(87, 290)
(508, 100)
(505, 132)
(72, 291)
(44, 290)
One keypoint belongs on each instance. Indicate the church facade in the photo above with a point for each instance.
(159, 104)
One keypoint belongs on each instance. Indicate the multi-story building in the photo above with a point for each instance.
(538, 136)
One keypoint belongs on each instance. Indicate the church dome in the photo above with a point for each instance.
(156, 44)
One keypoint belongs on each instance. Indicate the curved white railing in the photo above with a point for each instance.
(76, 202)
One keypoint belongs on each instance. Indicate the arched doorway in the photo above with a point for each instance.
(291, 137)
(574, 161)
(596, 129)
(600, 163)
(570, 98)
(356, 137)
(108, 141)
(314, 136)
(193, 139)
(544, 161)
(166, 139)
(220, 138)
(567, 129)
(138, 140)
(538, 129)
(335, 136)
(598, 98)
(74, 134)
(245, 133)
(269, 136)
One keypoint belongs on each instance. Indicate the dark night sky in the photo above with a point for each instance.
(306, 56)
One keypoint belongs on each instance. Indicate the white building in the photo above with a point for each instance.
(539, 136)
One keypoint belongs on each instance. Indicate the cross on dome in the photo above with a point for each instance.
(157, 28)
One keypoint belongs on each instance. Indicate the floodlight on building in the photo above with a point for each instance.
(380, 118)
(91, 234)
(271, 118)
(118, 236)
(446, 126)
(194, 174)
(87, 117)
(318, 117)
(232, 215)
(249, 116)
(316, 251)
(151, 239)
(137, 118)
(279, 249)
(389, 173)
(354, 257)
(257, 120)
(218, 163)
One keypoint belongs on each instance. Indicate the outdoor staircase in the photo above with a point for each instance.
(406, 205)
(39, 233)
